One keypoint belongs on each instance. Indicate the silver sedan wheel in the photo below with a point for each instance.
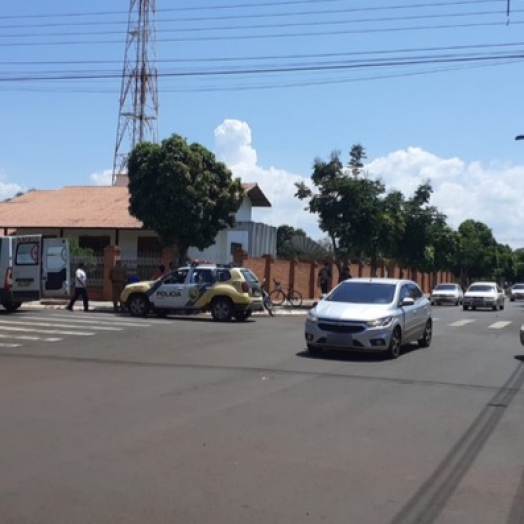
(395, 344)
(425, 341)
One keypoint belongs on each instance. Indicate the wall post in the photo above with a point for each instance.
(268, 274)
(312, 278)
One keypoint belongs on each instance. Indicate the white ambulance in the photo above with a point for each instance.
(33, 267)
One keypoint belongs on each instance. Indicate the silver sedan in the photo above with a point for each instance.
(370, 314)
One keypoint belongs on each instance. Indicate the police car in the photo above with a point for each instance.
(225, 291)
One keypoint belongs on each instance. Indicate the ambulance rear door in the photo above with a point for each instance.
(56, 268)
(26, 269)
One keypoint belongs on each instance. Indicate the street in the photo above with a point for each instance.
(107, 418)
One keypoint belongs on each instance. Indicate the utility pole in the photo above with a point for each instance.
(138, 113)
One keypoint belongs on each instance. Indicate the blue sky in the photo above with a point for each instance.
(432, 89)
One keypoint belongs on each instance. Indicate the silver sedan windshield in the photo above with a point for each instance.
(363, 293)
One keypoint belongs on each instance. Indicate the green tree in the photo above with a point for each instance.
(506, 264)
(415, 249)
(519, 269)
(385, 229)
(285, 233)
(182, 192)
(476, 257)
(346, 203)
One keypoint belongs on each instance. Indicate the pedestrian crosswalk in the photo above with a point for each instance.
(500, 324)
(22, 330)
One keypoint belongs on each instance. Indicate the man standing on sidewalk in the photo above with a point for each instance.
(324, 279)
(118, 277)
(80, 288)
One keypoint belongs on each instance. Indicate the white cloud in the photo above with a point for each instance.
(9, 189)
(104, 178)
(233, 146)
(490, 194)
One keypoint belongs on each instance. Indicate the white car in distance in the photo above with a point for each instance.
(447, 293)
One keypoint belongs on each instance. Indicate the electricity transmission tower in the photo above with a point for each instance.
(138, 113)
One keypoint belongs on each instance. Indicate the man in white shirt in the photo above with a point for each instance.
(80, 288)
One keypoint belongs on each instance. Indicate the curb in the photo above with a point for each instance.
(61, 305)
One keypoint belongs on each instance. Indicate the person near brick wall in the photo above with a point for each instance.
(324, 278)
(118, 277)
(345, 273)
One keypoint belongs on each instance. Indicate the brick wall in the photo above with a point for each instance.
(301, 275)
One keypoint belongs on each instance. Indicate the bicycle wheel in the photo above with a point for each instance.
(277, 297)
(269, 306)
(295, 299)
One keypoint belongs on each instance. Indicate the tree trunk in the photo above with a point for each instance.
(373, 263)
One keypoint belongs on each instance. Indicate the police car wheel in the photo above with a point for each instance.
(138, 306)
(222, 309)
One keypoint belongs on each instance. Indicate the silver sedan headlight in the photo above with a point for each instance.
(311, 317)
(380, 322)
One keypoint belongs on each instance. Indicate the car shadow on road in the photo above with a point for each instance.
(169, 318)
(355, 356)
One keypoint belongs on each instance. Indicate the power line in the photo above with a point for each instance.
(215, 59)
(378, 63)
(257, 15)
(271, 26)
(303, 34)
(305, 83)
(250, 6)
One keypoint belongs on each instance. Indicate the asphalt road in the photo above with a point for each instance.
(108, 419)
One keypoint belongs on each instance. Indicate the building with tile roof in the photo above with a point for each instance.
(98, 216)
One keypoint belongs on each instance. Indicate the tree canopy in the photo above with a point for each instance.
(366, 222)
(182, 192)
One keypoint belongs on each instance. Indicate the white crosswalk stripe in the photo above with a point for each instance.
(53, 328)
(55, 325)
(460, 323)
(499, 325)
(116, 321)
(28, 329)
(30, 337)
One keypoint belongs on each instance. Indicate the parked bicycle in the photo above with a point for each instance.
(278, 296)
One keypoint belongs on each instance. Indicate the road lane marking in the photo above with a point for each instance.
(69, 318)
(55, 325)
(29, 337)
(47, 331)
(460, 323)
(7, 345)
(499, 325)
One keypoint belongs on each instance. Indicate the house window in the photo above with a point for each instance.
(149, 246)
(97, 244)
